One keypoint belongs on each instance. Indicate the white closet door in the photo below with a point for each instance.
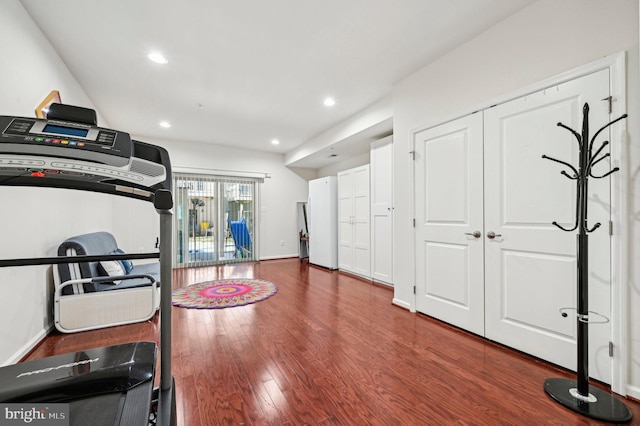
(346, 189)
(354, 253)
(449, 211)
(361, 218)
(531, 267)
(382, 210)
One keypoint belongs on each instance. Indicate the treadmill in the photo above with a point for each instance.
(112, 385)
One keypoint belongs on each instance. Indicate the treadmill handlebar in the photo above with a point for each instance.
(76, 259)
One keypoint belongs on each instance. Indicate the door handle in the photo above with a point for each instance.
(474, 234)
(491, 235)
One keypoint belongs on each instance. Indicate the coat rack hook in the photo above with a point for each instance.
(622, 117)
(576, 134)
(596, 226)
(596, 161)
(563, 228)
(592, 159)
(573, 169)
(615, 169)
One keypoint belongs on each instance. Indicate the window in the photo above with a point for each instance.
(215, 219)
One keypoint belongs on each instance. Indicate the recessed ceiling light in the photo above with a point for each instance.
(165, 124)
(158, 58)
(275, 142)
(329, 101)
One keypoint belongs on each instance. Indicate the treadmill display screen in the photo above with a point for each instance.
(62, 130)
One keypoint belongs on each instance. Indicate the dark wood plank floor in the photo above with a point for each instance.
(331, 349)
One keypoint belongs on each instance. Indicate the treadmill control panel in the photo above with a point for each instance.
(62, 167)
(54, 137)
(56, 152)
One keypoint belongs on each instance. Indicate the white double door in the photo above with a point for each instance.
(354, 234)
(488, 258)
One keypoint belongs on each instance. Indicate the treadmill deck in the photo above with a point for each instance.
(111, 385)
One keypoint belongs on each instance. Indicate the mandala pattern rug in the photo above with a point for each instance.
(223, 293)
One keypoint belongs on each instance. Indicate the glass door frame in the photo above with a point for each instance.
(222, 235)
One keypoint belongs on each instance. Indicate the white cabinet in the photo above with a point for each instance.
(354, 234)
(382, 210)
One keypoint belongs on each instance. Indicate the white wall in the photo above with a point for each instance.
(136, 225)
(33, 221)
(347, 164)
(543, 40)
(375, 116)
(278, 194)
(32, 68)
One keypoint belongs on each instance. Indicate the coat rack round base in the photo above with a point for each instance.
(599, 405)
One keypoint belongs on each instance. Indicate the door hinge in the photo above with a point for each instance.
(611, 349)
(610, 227)
(414, 222)
(414, 289)
(413, 155)
(610, 100)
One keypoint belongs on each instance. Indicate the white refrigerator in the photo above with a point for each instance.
(323, 222)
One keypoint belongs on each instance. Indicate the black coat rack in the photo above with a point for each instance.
(579, 395)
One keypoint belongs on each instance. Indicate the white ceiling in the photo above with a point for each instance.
(243, 72)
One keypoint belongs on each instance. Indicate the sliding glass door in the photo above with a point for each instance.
(215, 219)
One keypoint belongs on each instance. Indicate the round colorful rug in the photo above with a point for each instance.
(223, 293)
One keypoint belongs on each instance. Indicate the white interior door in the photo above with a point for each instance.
(449, 211)
(361, 218)
(531, 267)
(346, 188)
(382, 210)
(354, 235)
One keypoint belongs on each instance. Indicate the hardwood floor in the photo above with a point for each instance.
(331, 349)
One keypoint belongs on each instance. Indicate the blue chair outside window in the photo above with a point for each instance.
(241, 239)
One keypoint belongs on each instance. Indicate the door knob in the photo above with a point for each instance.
(491, 235)
(475, 234)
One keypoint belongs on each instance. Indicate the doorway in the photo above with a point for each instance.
(488, 258)
(215, 220)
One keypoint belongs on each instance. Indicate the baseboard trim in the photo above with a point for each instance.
(633, 391)
(401, 304)
(355, 275)
(28, 347)
(284, 256)
(384, 283)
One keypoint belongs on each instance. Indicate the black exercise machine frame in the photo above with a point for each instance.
(160, 194)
